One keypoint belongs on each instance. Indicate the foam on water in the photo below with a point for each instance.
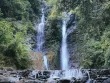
(67, 74)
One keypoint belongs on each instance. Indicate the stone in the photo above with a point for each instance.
(9, 69)
(5, 82)
(26, 73)
(44, 76)
(84, 79)
(71, 21)
(37, 60)
(107, 80)
(1, 73)
(65, 81)
(1, 68)
(33, 81)
(4, 79)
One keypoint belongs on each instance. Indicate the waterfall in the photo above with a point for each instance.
(40, 38)
(68, 26)
(89, 79)
(66, 74)
(40, 34)
(45, 62)
(64, 51)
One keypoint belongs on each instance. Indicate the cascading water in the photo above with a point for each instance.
(40, 38)
(45, 62)
(40, 34)
(89, 79)
(65, 73)
(64, 51)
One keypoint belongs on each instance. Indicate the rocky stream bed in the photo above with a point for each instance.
(9, 75)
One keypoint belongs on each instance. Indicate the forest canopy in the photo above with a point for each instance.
(91, 38)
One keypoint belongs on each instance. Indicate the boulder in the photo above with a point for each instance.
(4, 79)
(107, 80)
(65, 81)
(26, 73)
(71, 21)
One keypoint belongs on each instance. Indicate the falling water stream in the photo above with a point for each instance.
(64, 51)
(40, 34)
(40, 39)
(65, 72)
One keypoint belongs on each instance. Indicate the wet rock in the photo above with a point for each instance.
(65, 81)
(26, 73)
(21, 81)
(84, 79)
(9, 69)
(43, 75)
(100, 76)
(91, 81)
(13, 73)
(47, 74)
(32, 81)
(93, 74)
(107, 80)
(5, 82)
(4, 79)
(1, 68)
(71, 21)
(6, 68)
(1, 73)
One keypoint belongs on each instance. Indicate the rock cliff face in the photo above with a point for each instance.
(53, 37)
(37, 60)
(9, 75)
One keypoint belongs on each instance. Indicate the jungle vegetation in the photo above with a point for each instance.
(91, 38)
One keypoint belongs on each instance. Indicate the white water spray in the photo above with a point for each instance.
(64, 51)
(89, 79)
(66, 74)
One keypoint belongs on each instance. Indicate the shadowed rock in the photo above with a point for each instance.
(47, 76)
(107, 81)
(65, 81)
(71, 21)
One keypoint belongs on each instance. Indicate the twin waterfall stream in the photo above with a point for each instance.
(69, 71)
(64, 75)
(64, 52)
(40, 43)
(64, 55)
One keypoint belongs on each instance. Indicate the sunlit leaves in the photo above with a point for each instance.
(13, 43)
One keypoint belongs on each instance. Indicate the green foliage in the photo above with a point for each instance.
(18, 55)
(1, 14)
(53, 38)
(94, 55)
(93, 30)
(16, 30)
(6, 33)
(12, 45)
(20, 9)
(35, 4)
(91, 37)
